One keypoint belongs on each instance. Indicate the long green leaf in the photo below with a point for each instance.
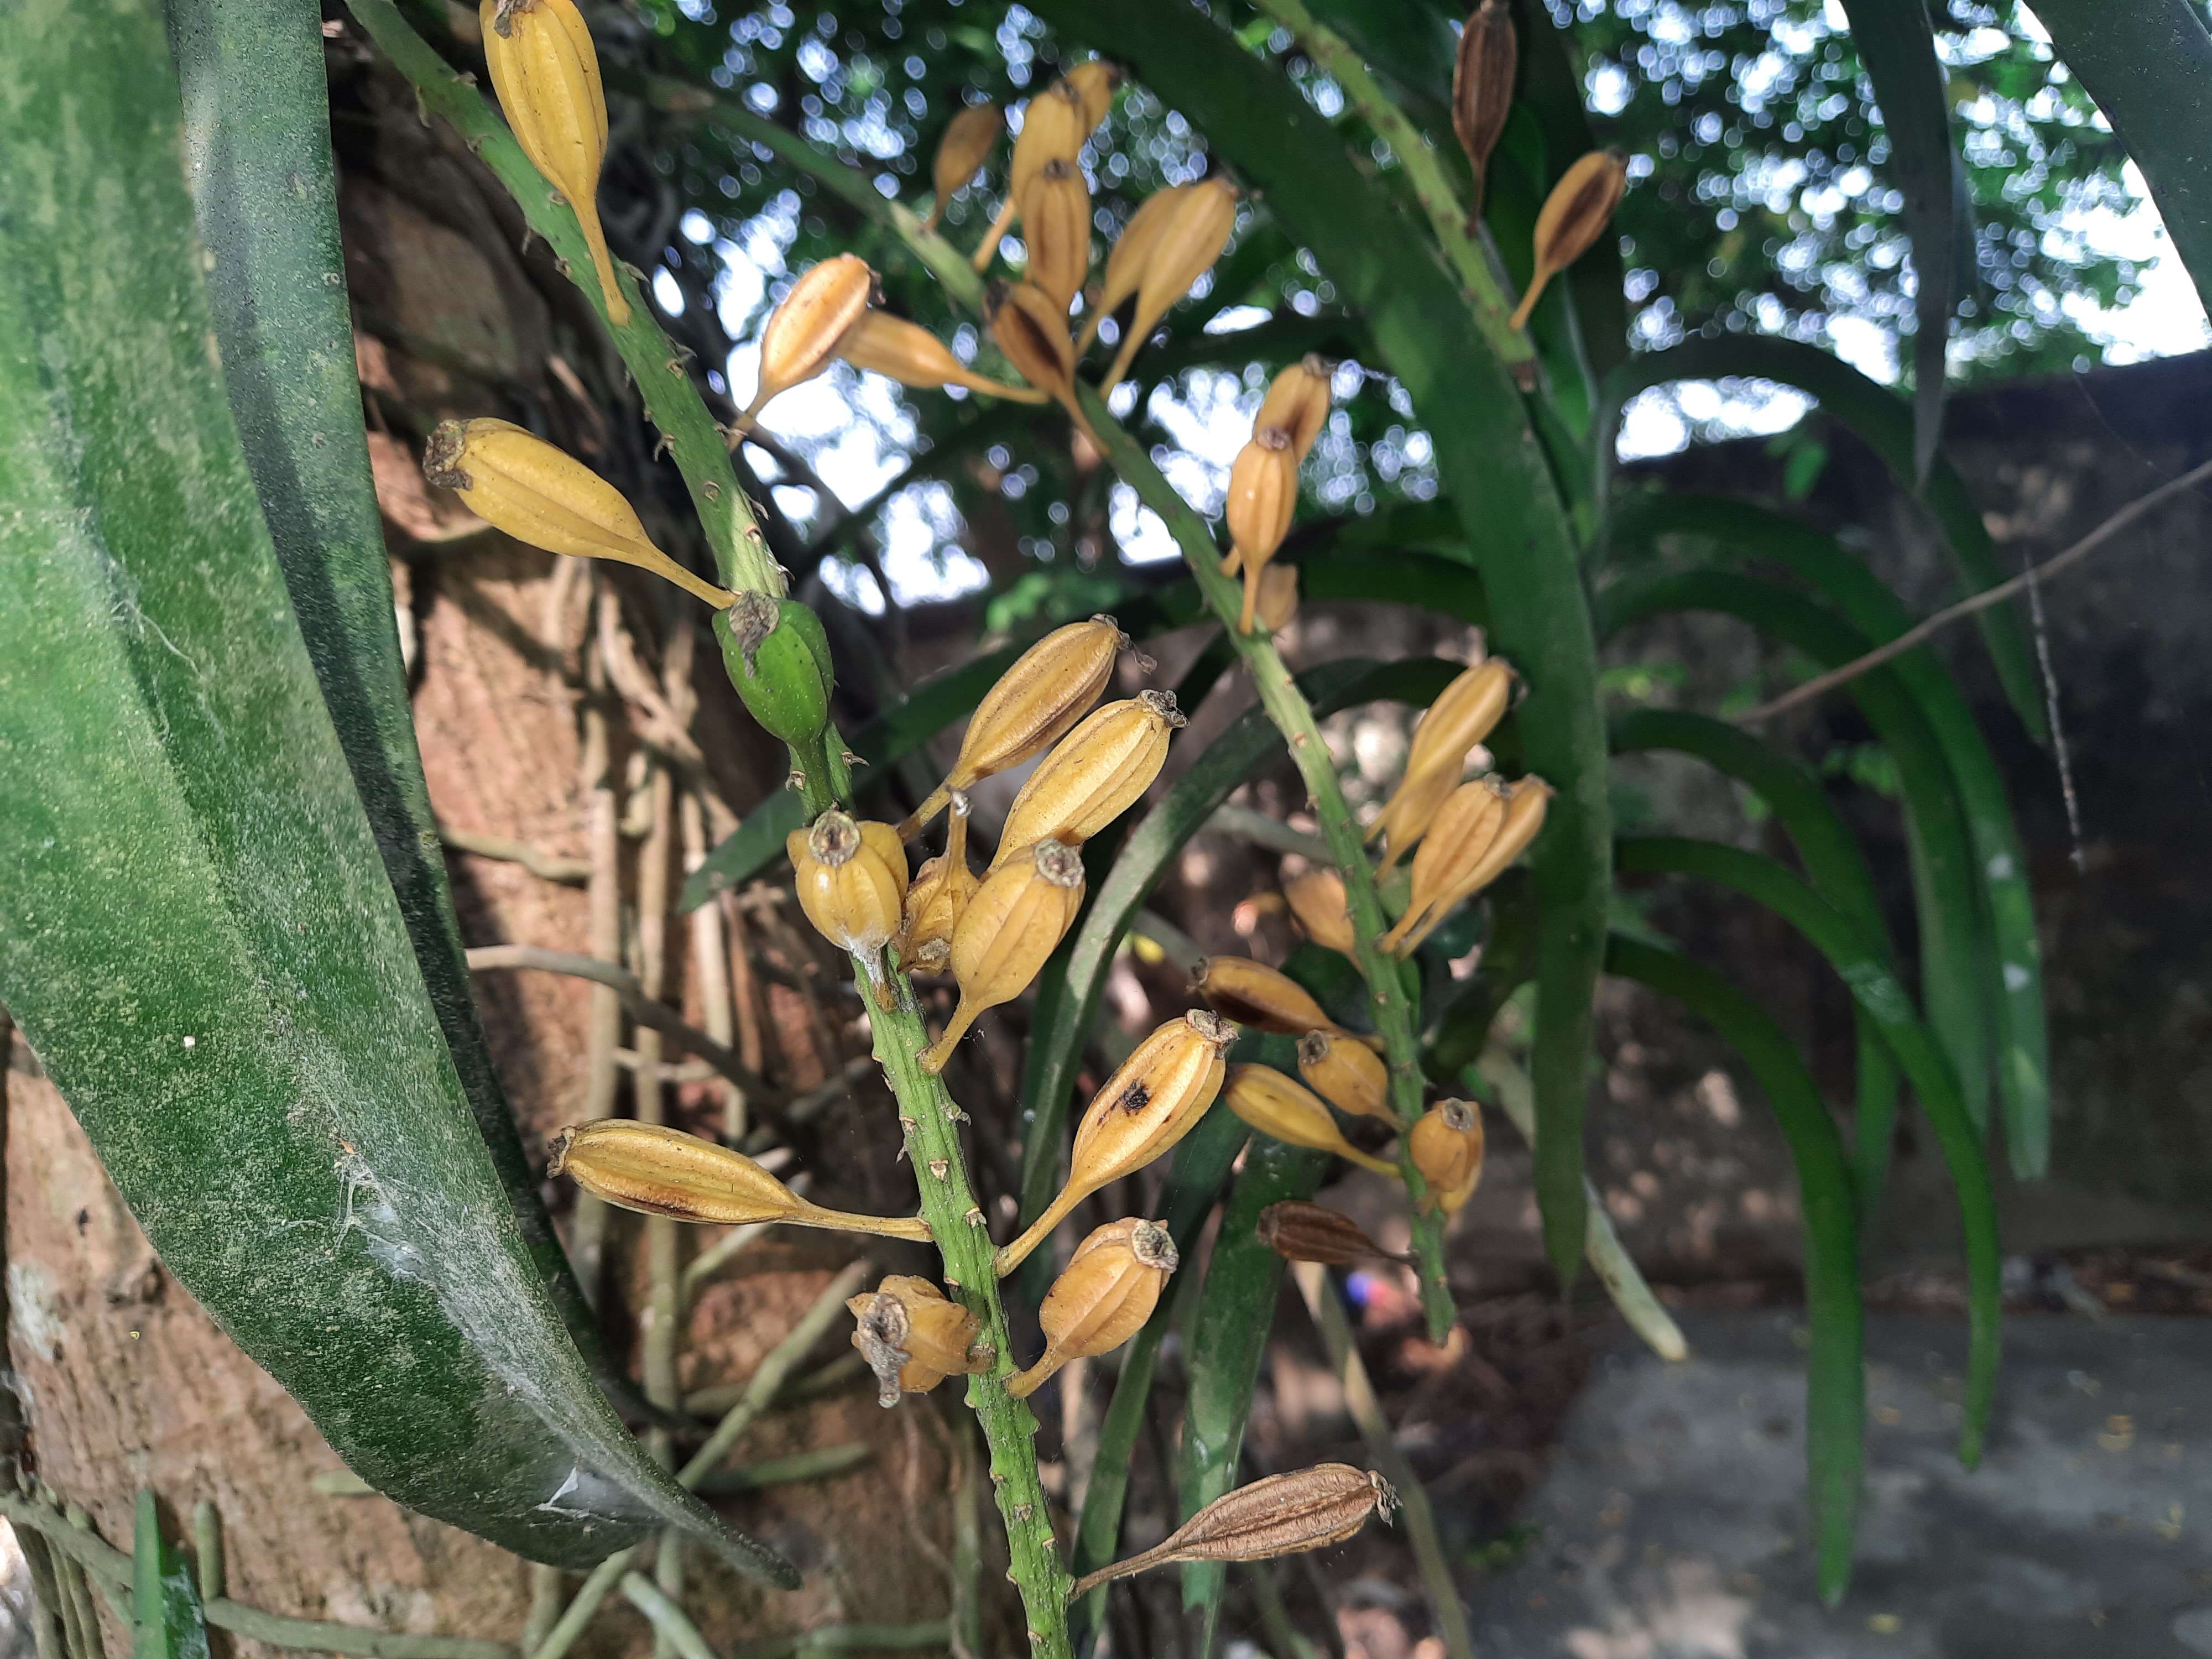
(1517, 531)
(196, 931)
(2013, 971)
(1872, 983)
(1954, 942)
(1896, 47)
(1884, 422)
(2146, 63)
(256, 135)
(166, 1619)
(1838, 872)
(1835, 1374)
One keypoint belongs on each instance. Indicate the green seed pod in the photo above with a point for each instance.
(778, 658)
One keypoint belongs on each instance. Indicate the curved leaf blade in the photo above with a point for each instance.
(196, 931)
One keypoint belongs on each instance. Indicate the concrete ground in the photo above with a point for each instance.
(1671, 1525)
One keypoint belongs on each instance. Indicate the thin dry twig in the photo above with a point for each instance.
(546, 865)
(1921, 632)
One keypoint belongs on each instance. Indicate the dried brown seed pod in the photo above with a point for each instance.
(1277, 1105)
(664, 1172)
(1109, 1290)
(909, 353)
(969, 138)
(1095, 774)
(1298, 1231)
(852, 885)
(1278, 1515)
(1350, 1076)
(1297, 403)
(1151, 1103)
(1189, 243)
(1481, 830)
(1094, 83)
(1125, 260)
(1574, 216)
(935, 898)
(1446, 1148)
(1263, 495)
(1255, 994)
(1016, 919)
(912, 1337)
(1054, 126)
(1031, 329)
(809, 324)
(1056, 225)
(1482, 90)
(1317, 903)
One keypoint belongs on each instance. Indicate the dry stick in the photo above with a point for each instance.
(745, 992)
(604, 1022)
(1922, 631)
(1328, 1310)
(766, 1378)
(710, 960)
(544, 865)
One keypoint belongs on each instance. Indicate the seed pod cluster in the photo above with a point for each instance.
(970, 138)
(852, 885)
(1015, 921)
(1571, 220)
(1188, 243)
(1292, 1114)
(803, 332)
(1446, 1148)
(664, 1172)
(1277, 1515)
(914, 1337)
(937, 897)
(880, 343)
(1055, 125)
(1480, 830)
(1051, 685)
(1482, 90)
(1317, 903)
(517, 482)
(1152, 1102)
(1299, 1232)
(1349, 1075)
(1095, 774)
(1109, 1290)
(778, 659)
(546, 74)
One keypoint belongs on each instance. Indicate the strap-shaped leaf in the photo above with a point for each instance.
(197, 933)
(1883, 420)
(1835, 1373)
(2013, 968)
(1874, 986)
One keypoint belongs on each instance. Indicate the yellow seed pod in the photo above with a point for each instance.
(914, 1337)
(1050, 686)
(546, 73)
(1032, 331)
(1482, 90)
(1125, 260)
(1055, 125)
(1573, 216)
(1263, 494)
(517, 482)
(805, 331)
(1094, 774)
(1111, 1286)
(936, 898)
(1350, 1076)
(664, 1172)
(969, 138)
(1297, 403)
(1482, 828)
(881, 344)
(1316, 902)
(1094, 83)
(1279, 597)
(1278, 1106)
(1055, 213)
(1152, 1102)
(852, 884)
(1255, 994)
(1446, 1148)
(1016, 919)
(1188, 245)
(1465, 713)
(1411, 808)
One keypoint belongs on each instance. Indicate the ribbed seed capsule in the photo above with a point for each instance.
(1286, 1109)
(936, 898)
(1149, 1104)
(1411, 808)
(1574, 216)
(517, 482)
(1188, 245)
(1056, 225)
(969, 138)
(1094, 83)
(546, 72)
(1279, 597)
(1094, 774)
(1350, 1076)
(1446, 1148)
(1465, 713)
(1255, 994)
(1297, 403)
(914, 1337)
(1111, 1284)
(1298, 1231)
(1032, 331)
(881, 344)
(1482, 90)
(664, 1172)
(1316, 902)
(852, 885)
(1125, 260)
(1050, 686)
(1467, 852)
(1277, 1515)
(1016, 919)
(1263, 495)
(806, 330)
